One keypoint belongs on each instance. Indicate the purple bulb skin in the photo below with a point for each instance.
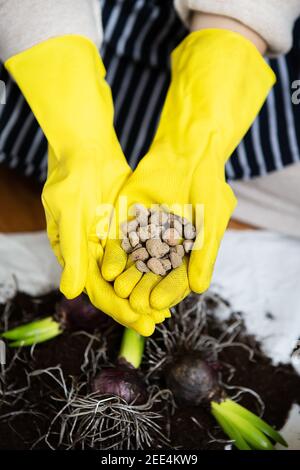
(123, 381)
(80, 314)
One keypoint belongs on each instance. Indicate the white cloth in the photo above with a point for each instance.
(24, 23)
(258, 272)
(27, 264)
(273, 20)
(271, 201)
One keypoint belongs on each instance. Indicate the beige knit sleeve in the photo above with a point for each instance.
(24, 23)
(273, 20)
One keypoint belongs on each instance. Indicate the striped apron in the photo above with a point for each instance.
(139, 36)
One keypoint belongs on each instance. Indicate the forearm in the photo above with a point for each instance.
(205, 20)
(271, 20)
(24, 23)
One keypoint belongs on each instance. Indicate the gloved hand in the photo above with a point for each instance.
(219, 82)
(63, 82)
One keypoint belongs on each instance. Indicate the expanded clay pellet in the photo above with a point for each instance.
(177, 225)
(142, 267)
(156, 248)
(157, 240)
(176, 260)
(189, 232)
(155, 265)
(126, 245)
(188, 245)
(139, 254)
(158, 217)
(171, 237)
(166, 264)
(134, 239)
(179, 250)
(144, 233)
(141, 214)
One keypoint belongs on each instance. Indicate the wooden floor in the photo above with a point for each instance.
(21, 209)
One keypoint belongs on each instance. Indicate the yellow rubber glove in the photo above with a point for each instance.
(219, 83)
(63, 82)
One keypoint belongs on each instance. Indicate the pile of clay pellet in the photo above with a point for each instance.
(157, 240)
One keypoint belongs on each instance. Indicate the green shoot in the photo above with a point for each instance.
(256, 421)
(132, 347)
(231, 431)
(32, 333)
(246, 429)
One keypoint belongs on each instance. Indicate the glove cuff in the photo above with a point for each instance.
(62, 80)
(219, 83)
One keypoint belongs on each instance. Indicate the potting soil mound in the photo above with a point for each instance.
(27, 405)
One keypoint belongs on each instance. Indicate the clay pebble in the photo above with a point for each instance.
(157, 240)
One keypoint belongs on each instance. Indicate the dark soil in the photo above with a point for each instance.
(190, 427)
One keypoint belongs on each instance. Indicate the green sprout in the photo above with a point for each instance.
(76, 313)
(248, 431)
(32, 333)
(132, 347)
